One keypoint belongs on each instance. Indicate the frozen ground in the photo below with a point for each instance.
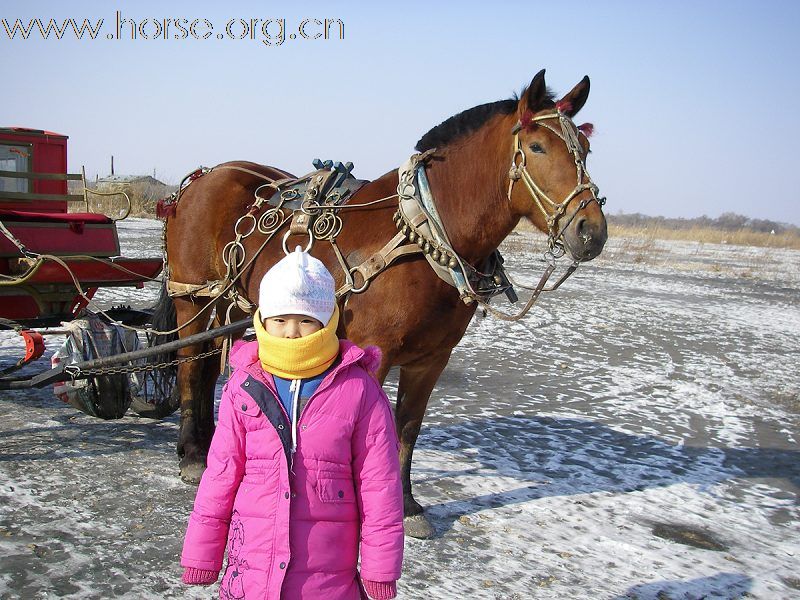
(636, 436)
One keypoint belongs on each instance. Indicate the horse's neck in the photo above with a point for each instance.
(469, 188)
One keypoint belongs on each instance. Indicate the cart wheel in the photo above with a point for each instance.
(150, 410)
(108, 397)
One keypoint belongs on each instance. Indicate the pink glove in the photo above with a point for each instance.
(380, 590)
(193, 576)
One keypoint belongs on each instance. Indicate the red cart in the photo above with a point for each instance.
(52, 261)
(44, 247)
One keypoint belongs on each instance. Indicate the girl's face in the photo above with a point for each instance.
(291, 326)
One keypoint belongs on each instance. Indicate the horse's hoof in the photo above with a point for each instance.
(192, 472)
(418, 527)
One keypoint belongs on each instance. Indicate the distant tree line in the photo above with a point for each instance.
(725, 222)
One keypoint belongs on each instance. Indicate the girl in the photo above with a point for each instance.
(303, 473)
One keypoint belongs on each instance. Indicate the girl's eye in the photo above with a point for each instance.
(536, 148)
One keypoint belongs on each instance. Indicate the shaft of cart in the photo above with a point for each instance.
(83, 370)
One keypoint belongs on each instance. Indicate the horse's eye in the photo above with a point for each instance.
(536, 148)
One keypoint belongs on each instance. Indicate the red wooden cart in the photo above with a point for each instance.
(52, 261)
(44, 247)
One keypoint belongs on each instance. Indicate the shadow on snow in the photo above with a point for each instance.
(562, 457)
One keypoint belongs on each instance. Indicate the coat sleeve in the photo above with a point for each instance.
(207, 533)
(376, 471)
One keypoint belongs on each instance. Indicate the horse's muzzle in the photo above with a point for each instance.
(586, 236)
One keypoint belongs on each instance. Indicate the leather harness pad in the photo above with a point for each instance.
(334, 189)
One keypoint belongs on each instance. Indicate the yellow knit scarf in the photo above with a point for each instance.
(298, 358)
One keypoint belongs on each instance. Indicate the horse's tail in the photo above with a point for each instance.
(158, 394)
(164, 319)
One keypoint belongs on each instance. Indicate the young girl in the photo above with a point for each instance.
(303, 474)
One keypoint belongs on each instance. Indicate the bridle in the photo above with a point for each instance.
(519, 170)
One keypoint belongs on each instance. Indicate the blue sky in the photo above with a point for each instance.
(694, 103)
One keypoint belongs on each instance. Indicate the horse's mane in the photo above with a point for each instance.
(468, 121)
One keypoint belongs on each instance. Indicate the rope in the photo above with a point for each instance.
(528, 305)
(378, 201)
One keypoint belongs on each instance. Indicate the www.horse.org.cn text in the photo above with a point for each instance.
(268, 31)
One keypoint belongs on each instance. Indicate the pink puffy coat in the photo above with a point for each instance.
(294, 525)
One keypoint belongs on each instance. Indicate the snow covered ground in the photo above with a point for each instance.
(636, 436)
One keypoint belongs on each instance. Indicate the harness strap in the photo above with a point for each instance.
(210, 289)
(377, 263)
(248, 171)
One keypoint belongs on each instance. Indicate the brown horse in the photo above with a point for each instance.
(411, 314)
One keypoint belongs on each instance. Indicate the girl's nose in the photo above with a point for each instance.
(292, 330)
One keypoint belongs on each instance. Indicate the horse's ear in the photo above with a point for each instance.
(575, 100)
(534, 96)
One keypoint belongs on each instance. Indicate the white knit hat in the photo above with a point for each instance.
(298, 284)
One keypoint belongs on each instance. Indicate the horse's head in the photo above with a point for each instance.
(549, 182)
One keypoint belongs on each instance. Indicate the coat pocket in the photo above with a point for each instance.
(254, 478)
(261, 471)
(334, 490)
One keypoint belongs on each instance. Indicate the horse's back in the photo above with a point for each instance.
(206, 215)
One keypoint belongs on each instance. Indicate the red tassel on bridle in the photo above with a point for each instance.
(563, 106)
(526, 120)
(586, 129)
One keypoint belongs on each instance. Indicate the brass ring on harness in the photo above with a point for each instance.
(310, 206)
(406, 189)
(327, 226)
(239, 222)
(523, 159)
(290, 194)
(233, 250)
(271, 184)
(286, 237)
(363, 286)
(270, 221)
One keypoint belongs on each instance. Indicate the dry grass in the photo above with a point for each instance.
(707, 235)
(143, 196)
(741, 237)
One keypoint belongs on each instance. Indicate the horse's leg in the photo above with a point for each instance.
(196, 381)
(413, 391)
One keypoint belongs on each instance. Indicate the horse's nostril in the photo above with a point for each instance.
(583, 231)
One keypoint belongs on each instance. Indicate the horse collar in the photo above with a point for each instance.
(418, 221)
